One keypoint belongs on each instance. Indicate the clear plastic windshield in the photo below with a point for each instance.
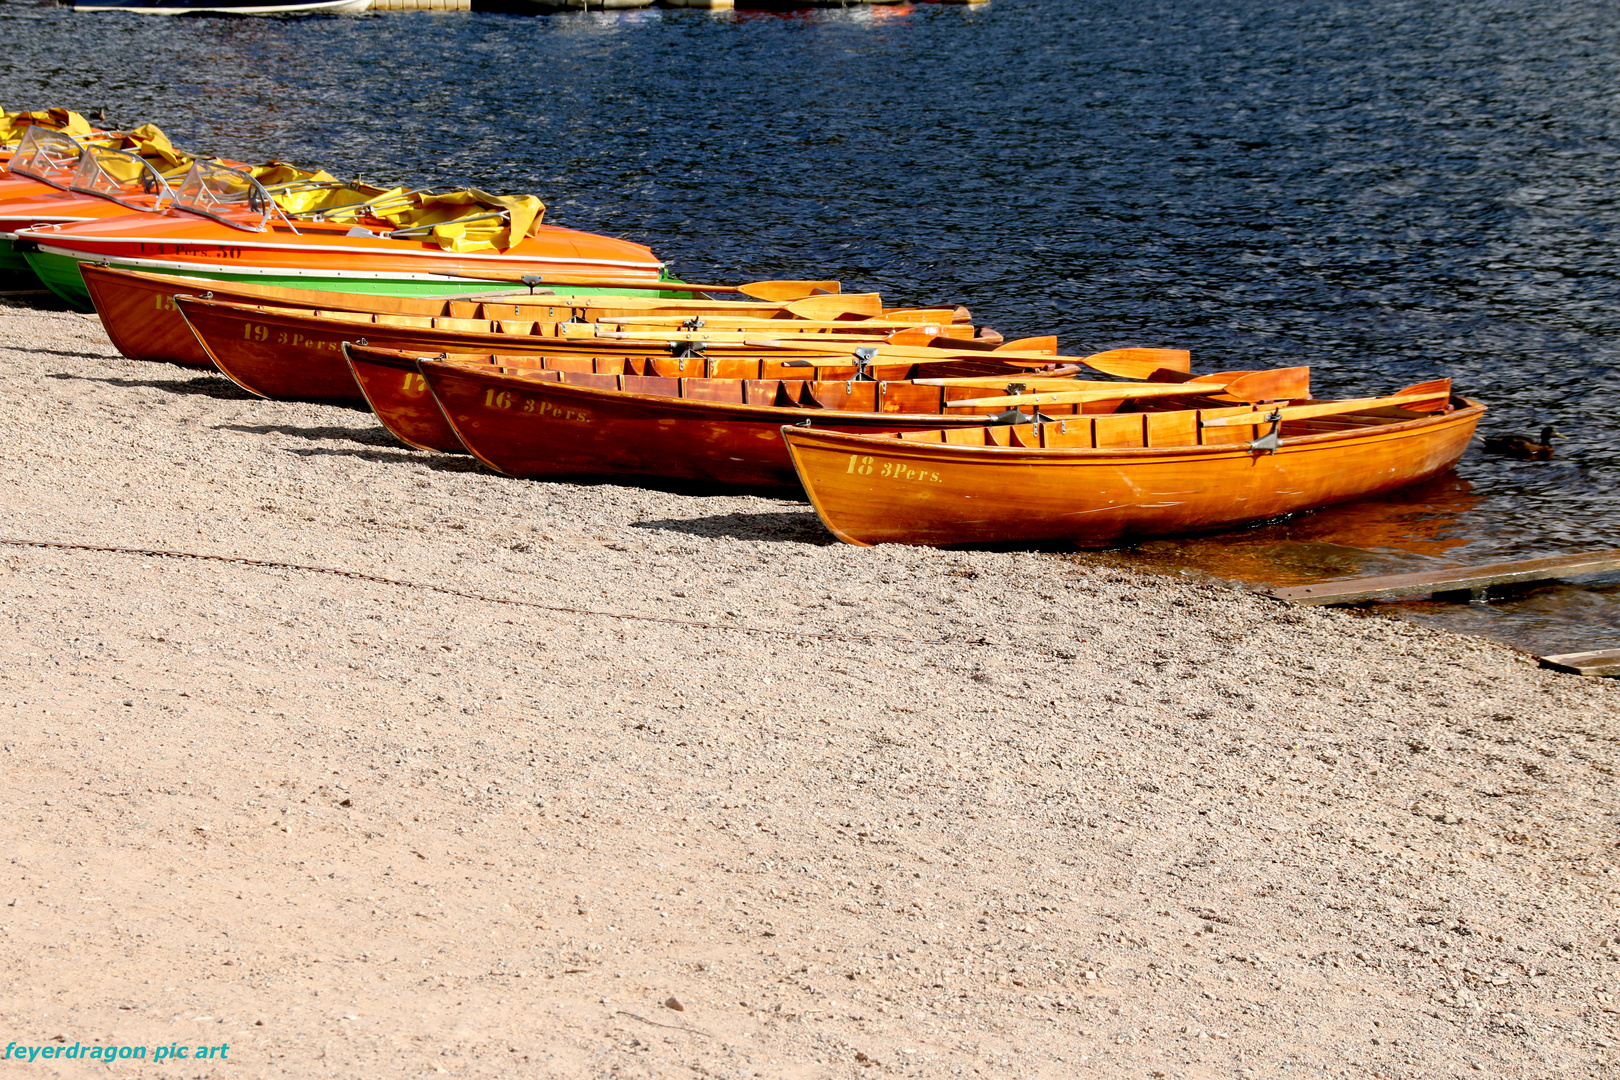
(125, 178)
(47, 156)
(229, 196)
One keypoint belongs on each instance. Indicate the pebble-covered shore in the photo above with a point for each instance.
(856, 812)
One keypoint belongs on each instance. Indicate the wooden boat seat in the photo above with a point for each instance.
(1225, 436)
(533, 374)
(571, 363)
(906, 397)
(650, 384)
(591, 379)
(1068, 433)
(733, 367)
(726, 390)
(348, 316)
(1026, 436)
(477, 326)
(844, 395)
(1172, 428)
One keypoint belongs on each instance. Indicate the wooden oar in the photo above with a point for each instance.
(1038, 383)
(724, 319)
(1423, 397)
(1283, 384)
(720, 321)
(777, 291)
(1126, 363)
(591, 331)
(953, 313)
(1090, 392)
(833, 305)
(769, 291)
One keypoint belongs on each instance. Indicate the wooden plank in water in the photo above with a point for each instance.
(1465, 580)
(1601, 662)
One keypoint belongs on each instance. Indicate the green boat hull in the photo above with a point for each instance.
(60, 273)
(14, 266)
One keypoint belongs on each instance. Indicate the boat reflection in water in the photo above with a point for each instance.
(1415, 528)
(1428, 526)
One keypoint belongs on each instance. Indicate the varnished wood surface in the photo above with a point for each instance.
(904, 491)
(296, 354)
(140, 317)
(1595, 662)
(524, 426)
(401, 400)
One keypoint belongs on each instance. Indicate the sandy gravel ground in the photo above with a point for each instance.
(859, 813)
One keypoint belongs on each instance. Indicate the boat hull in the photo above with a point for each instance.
(293, 355)
(318, 257)
(61, 273)
(526, 427)
(882, 491)
(139, 314)
(399, 396)
(12, 262)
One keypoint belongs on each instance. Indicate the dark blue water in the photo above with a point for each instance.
(1385, 190)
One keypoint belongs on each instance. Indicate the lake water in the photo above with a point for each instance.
(1387, 191)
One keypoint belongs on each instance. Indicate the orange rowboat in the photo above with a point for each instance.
(399, 396)
(567, 424)
(1097, 481)
(397, 393)
(296, 354)
(646, 424)
(138, 312)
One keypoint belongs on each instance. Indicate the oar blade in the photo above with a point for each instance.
(1047, 343)
(778, 291)
(839, 306)
(1278, 384)
(1173, 359)
(1440, 389)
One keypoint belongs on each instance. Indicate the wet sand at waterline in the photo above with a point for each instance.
(858, 812)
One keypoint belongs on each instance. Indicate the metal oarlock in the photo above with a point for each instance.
(1270, 442)
(863, 360)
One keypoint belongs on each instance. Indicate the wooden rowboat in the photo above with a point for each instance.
(550, 424)
(137, 309)
(399, 397)
(398, 394)
(569, 423)
(296, 354)
(1105, 480)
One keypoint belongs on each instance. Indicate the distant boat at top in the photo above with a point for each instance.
(227, 7)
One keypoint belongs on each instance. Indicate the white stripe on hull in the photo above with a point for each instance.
(498, 260)
(238, 270)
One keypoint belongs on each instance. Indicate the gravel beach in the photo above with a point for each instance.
(563, 781)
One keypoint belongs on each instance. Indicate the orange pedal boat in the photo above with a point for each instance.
(225, 225)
